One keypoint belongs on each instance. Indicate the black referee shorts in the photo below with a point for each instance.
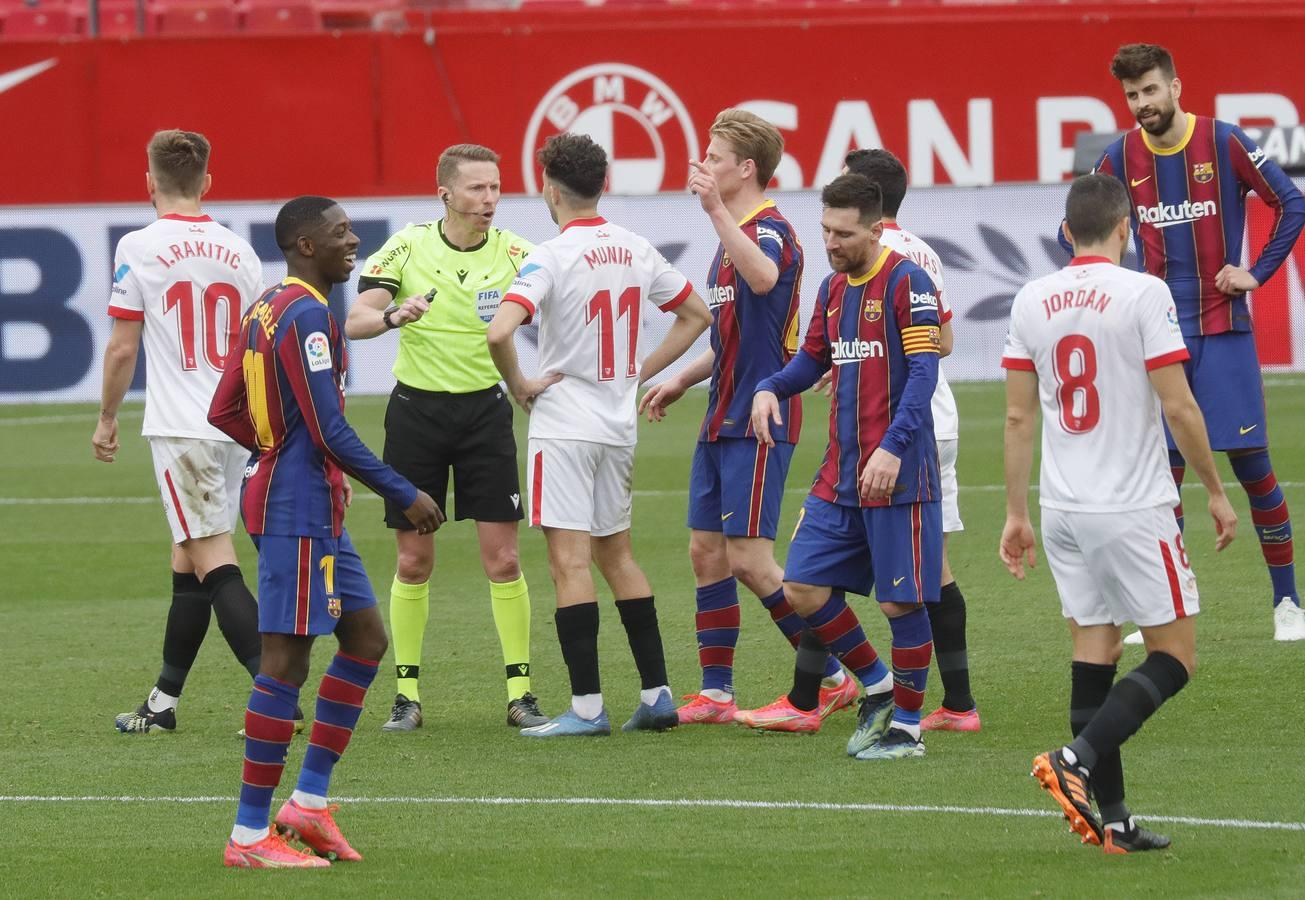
(429, 432)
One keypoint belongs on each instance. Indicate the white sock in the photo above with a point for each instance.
(718, 695)
(160, 701)
(834, 680)
(1124, 826)
(245, 836)
(308, 801)
(649, 696)
(1070, 756)
(587, 706)
(912, 730)
(883, 685)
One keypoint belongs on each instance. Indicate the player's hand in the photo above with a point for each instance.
(655, 401)
(765, 407)
(425, 513)
(1017, 546)
(410, 310)
(826, 384)
(105, 440)
(528, 389)
(348, 493)
(703, 183)
(1235, 280)
(879, 476)
(1225, 521)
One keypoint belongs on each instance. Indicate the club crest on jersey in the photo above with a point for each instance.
(874, 309)
(1203, 172)
(318, 350)
(633, 114)
(333, 607)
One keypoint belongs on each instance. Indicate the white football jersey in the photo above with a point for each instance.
(946, 422)
(189, 280)
(1092, 332)
(587, 287)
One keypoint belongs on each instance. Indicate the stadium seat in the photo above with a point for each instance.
(282, 17)
(117, 19)
(197, 19)
(45, 21)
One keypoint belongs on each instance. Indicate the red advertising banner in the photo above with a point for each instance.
(964, 97)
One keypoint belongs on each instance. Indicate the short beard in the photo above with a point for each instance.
(1162, 125)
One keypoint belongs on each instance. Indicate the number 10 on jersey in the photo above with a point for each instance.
(600, 310)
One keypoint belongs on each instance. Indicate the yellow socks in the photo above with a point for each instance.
(511, 603)
(409, 607)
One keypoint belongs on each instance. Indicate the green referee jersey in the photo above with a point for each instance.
(445, 350)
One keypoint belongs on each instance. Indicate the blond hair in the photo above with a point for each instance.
(447, 168)
(750, 137)
(179, 161)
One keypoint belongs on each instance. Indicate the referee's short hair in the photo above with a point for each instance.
(1094, 207)
(576, 163)
(453, 157)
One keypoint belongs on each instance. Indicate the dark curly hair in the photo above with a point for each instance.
(575, 162)
(1135, 60)
(852, 191)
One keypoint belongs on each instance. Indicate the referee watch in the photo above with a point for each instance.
(385, 317)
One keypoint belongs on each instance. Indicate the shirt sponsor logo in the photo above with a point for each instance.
(121, 273)
(1166, 215)
(927, 300)
(1257, 157)
(318, 350)
(487, 303)
(844, 352)
(874, 309)
(1203, 173)
(719, 295)
(763, 233)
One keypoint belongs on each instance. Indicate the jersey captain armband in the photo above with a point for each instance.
(921, 339)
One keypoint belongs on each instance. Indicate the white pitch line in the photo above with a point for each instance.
(681, 803)
(63, 418)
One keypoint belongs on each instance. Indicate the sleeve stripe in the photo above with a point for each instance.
(946, 316)
(521, 301)
(1018, 363)
(678, 298)
(131, 315)
(1167, 359)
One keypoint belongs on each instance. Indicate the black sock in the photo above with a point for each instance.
(947, 619)
(577, 632)
(1132, 700)
(1090, 684)
(188, 619)
(808, 670)
(639, 616)
(237, 614)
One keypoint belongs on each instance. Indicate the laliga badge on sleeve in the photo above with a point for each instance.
(318, 351)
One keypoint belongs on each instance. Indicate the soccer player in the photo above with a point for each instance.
(1187, 177)
(958, 711)
(282, 397)
(180, 284)
(736, 483)
(587, 286)
(440, 283)
(1100, 349)
(873, 517)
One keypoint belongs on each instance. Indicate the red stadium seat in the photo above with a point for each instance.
(45, 21)
(281, 17)
(195, 19)
(118, 19)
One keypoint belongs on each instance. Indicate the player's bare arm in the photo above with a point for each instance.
(757, 269)
(119, 366)
(507, 320)
(1188, 428)
(692, 318)
(367, 315)
(663, 395)
(946, 338)
(1235, 280)
(1017, 543)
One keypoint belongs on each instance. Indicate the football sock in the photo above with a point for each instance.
(409, 607)
(188, 619)
(838, 628)
(577, 633)
(717, 622)
(339, 704)
(1090, 684)
(1132, 700)
(159, 701)
(1178, 468)
(269, 725)
(808, 669)
(510, 601)
(650, 696)
(912, 650)
(791, 626)
(237, 614)
(308, 801)
(587, 706)
(1272, 523)
(639, 616)
(947, 621)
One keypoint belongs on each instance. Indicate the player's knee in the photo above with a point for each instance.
(751, 572)
(707, 555)
(805, 599)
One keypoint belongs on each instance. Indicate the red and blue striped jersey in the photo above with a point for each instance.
(753, 335)
(282, 396)
(1189, 215)
(880, 333)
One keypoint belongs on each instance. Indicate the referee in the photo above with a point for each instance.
(449, 411)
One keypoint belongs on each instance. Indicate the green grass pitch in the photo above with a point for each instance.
(86, 591)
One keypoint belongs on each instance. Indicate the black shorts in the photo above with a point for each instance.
(427, 432)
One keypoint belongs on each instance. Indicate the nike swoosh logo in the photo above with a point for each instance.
(726, 516)
(18, 76)
(1250, 429)
(897, 581)
(1134, 182)
(830, 312)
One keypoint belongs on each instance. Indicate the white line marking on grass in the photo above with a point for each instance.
(88, 417)
(680, 803)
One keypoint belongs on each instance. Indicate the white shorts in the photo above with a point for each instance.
(951, 508)
(200, 484)
(579, 485)
(1112, 568)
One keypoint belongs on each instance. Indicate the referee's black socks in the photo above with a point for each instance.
(1132, 701)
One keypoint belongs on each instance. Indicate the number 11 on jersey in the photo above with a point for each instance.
(600, 309)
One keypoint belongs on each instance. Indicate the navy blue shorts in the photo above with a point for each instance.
(1224, 373)
(736, 486)
(896, 550)
(304, 584)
